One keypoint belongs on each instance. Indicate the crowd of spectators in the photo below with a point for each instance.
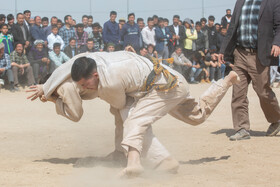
(32, 47)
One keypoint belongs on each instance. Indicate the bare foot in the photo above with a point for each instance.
(131, 172)
(232, 78)
(169, 165)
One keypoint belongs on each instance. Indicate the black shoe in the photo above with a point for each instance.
(273, 129)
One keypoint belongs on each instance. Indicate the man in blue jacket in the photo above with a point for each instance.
(163, 35)
(37, 31)
(130, 34)
(111, 31)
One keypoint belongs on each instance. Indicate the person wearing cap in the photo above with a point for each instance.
(121, 23)
(110, 47)
(39, 60)
(21, 65)
(5, 69)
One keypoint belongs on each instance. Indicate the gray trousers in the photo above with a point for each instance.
(28, 72)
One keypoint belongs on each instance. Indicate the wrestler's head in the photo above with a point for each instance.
(84, 72)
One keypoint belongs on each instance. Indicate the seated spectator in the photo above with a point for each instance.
(71, 50)
(181, 63)
(216, 68)
(89, 47)
(80, 35)
(38, 58)
(151, 51)
(5, 69)
(37, 31)
(97, 37)
(110, 47)
(57, 56)
(54, 38)
(197, 67)
(11, 22)
(21, 66)
(7, 39)
(143, 52)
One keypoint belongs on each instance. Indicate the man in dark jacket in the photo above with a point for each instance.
(178, 34)
(111, 31)
(20, 32)
(130, 34)
(253, 38)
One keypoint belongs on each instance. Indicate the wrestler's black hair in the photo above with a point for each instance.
(82, 67)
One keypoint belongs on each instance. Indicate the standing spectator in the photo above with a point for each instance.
(7, 39)
(178, 34)
(121, 23)
(162, 35)
(38, 58)
(48, 30)
(20, 32)
(87, 29)
(204, 30)
(59, 24)
(140, 23)
(155, 19)
(200, 41)
(54, 38)
(37, 31)
(181, 63)
(21, 66)
(67, 31)
(57, 57)
(89, 47)
(111, 31)
(218, 28)
(166, 22)
(2, 19)
(71, 50)
(45, 23)
(27, 16)
(253, 39)
(191, 37)
(212, 33)
(130, 34)
(220, 38)
(226, 19)
(97, 37)
(11, 20)
(81, 35)
(90, 21)
(5, 69)
(148, 33)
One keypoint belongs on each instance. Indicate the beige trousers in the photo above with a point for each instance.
(177, 102)
(153, 151)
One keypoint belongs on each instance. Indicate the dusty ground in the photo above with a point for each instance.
(40, 148)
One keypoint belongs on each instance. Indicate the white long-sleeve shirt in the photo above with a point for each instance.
(54, 39)
(148, 36)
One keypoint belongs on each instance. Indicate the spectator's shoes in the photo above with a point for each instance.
(14, 88)
(242, 134)
(194, 82)
(273, 129)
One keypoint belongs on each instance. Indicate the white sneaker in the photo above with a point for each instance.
(2, 82)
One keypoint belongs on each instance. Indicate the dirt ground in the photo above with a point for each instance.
(40, 148)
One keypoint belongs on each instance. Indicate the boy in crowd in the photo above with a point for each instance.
(57, 56)
(54, 38)
(6, 39)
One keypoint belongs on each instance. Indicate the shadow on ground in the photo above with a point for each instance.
(230, 132)
(205, 160)
(87, 162)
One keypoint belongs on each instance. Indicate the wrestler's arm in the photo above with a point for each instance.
(69, 102)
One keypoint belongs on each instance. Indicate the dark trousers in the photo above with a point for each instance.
(249, 68)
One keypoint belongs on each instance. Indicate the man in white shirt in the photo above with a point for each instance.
(148, 33)
(54, 38)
